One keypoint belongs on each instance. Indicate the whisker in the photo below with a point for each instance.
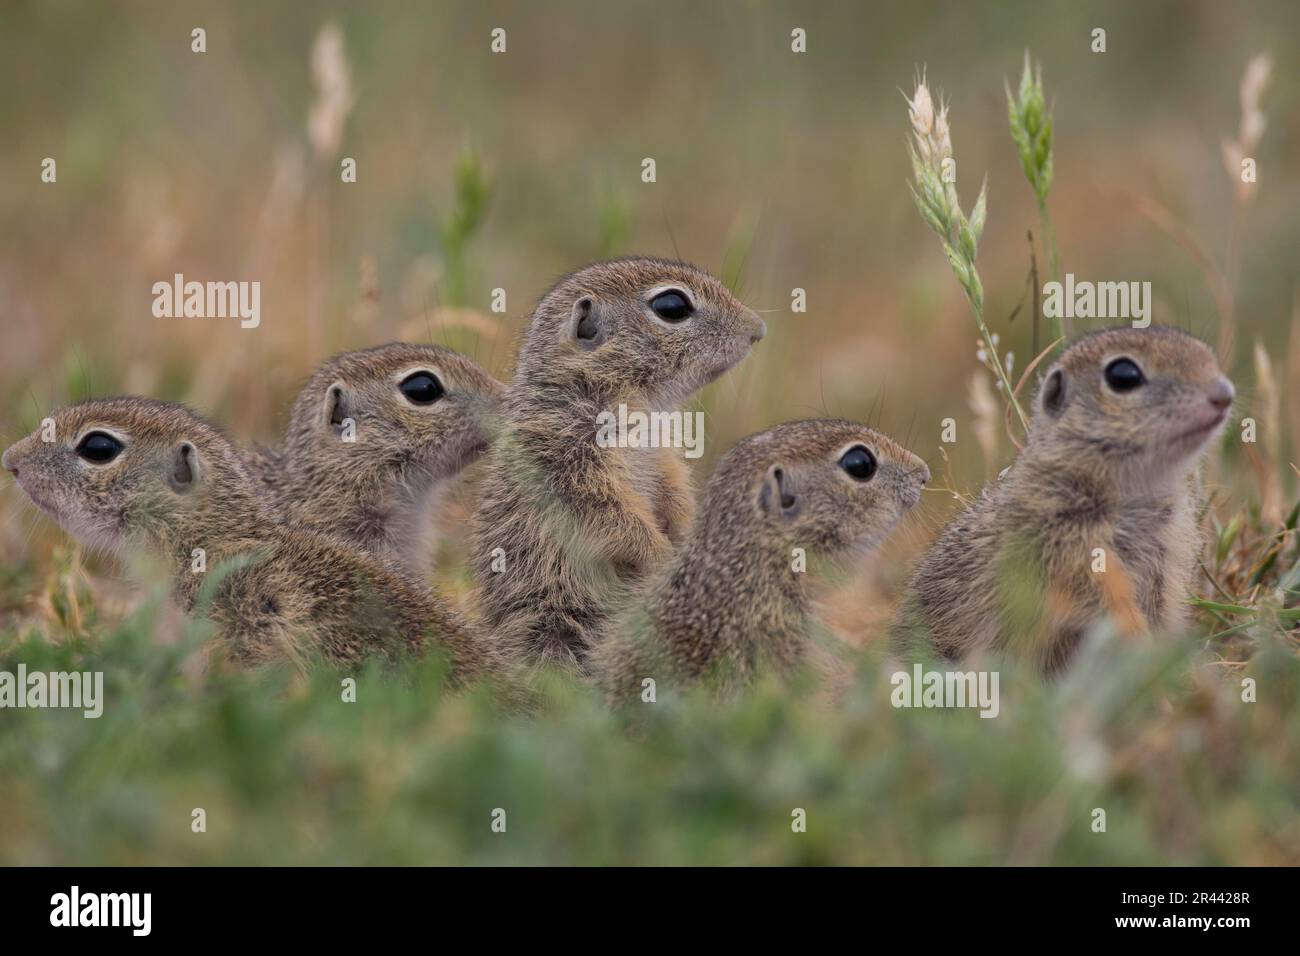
(669, 226)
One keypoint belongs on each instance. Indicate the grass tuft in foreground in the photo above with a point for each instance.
(1157, 736)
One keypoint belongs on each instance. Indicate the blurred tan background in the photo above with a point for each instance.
(775, 170)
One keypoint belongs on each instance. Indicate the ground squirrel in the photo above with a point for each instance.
(563, 524)
(1106, 480)
(134, 474)
(734, 598)
(373, 437)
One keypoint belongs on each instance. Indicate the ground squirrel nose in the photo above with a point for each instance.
(758, 333)
(7, 463)
(1221, 393)
(924, 472)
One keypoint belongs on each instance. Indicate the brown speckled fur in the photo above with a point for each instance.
(579, 523)
(1102, 469)
(286, 594)
(378, 492)
(730, 603)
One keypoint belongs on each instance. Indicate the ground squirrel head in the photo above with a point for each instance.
(828, 486)
(399, 406)
(645, 329)
(1131, 402)
(121, 471)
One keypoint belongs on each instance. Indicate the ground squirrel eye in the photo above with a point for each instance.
(1123, 375)
(859, 462)
(99, 448)
(672, 306)
(422, 388)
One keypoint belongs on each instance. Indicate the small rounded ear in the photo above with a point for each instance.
(1052, 397)
(776, 495)
(338, 404)
(184, 471)
(589, 323)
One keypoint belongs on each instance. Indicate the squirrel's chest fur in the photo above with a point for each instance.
(1157, 542)
(564, 527)
(1012, 572)
(651, 481)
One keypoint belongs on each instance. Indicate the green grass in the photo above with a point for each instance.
(287, 772)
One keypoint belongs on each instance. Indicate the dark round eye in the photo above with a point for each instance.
(422, 388)
(672, 305)
(859, 462)
(99, 448)
(1123, 375)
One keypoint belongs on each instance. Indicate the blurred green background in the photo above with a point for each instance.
(477, 170)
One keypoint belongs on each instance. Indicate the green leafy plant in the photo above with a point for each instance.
(472, 192)
(1031, 129)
